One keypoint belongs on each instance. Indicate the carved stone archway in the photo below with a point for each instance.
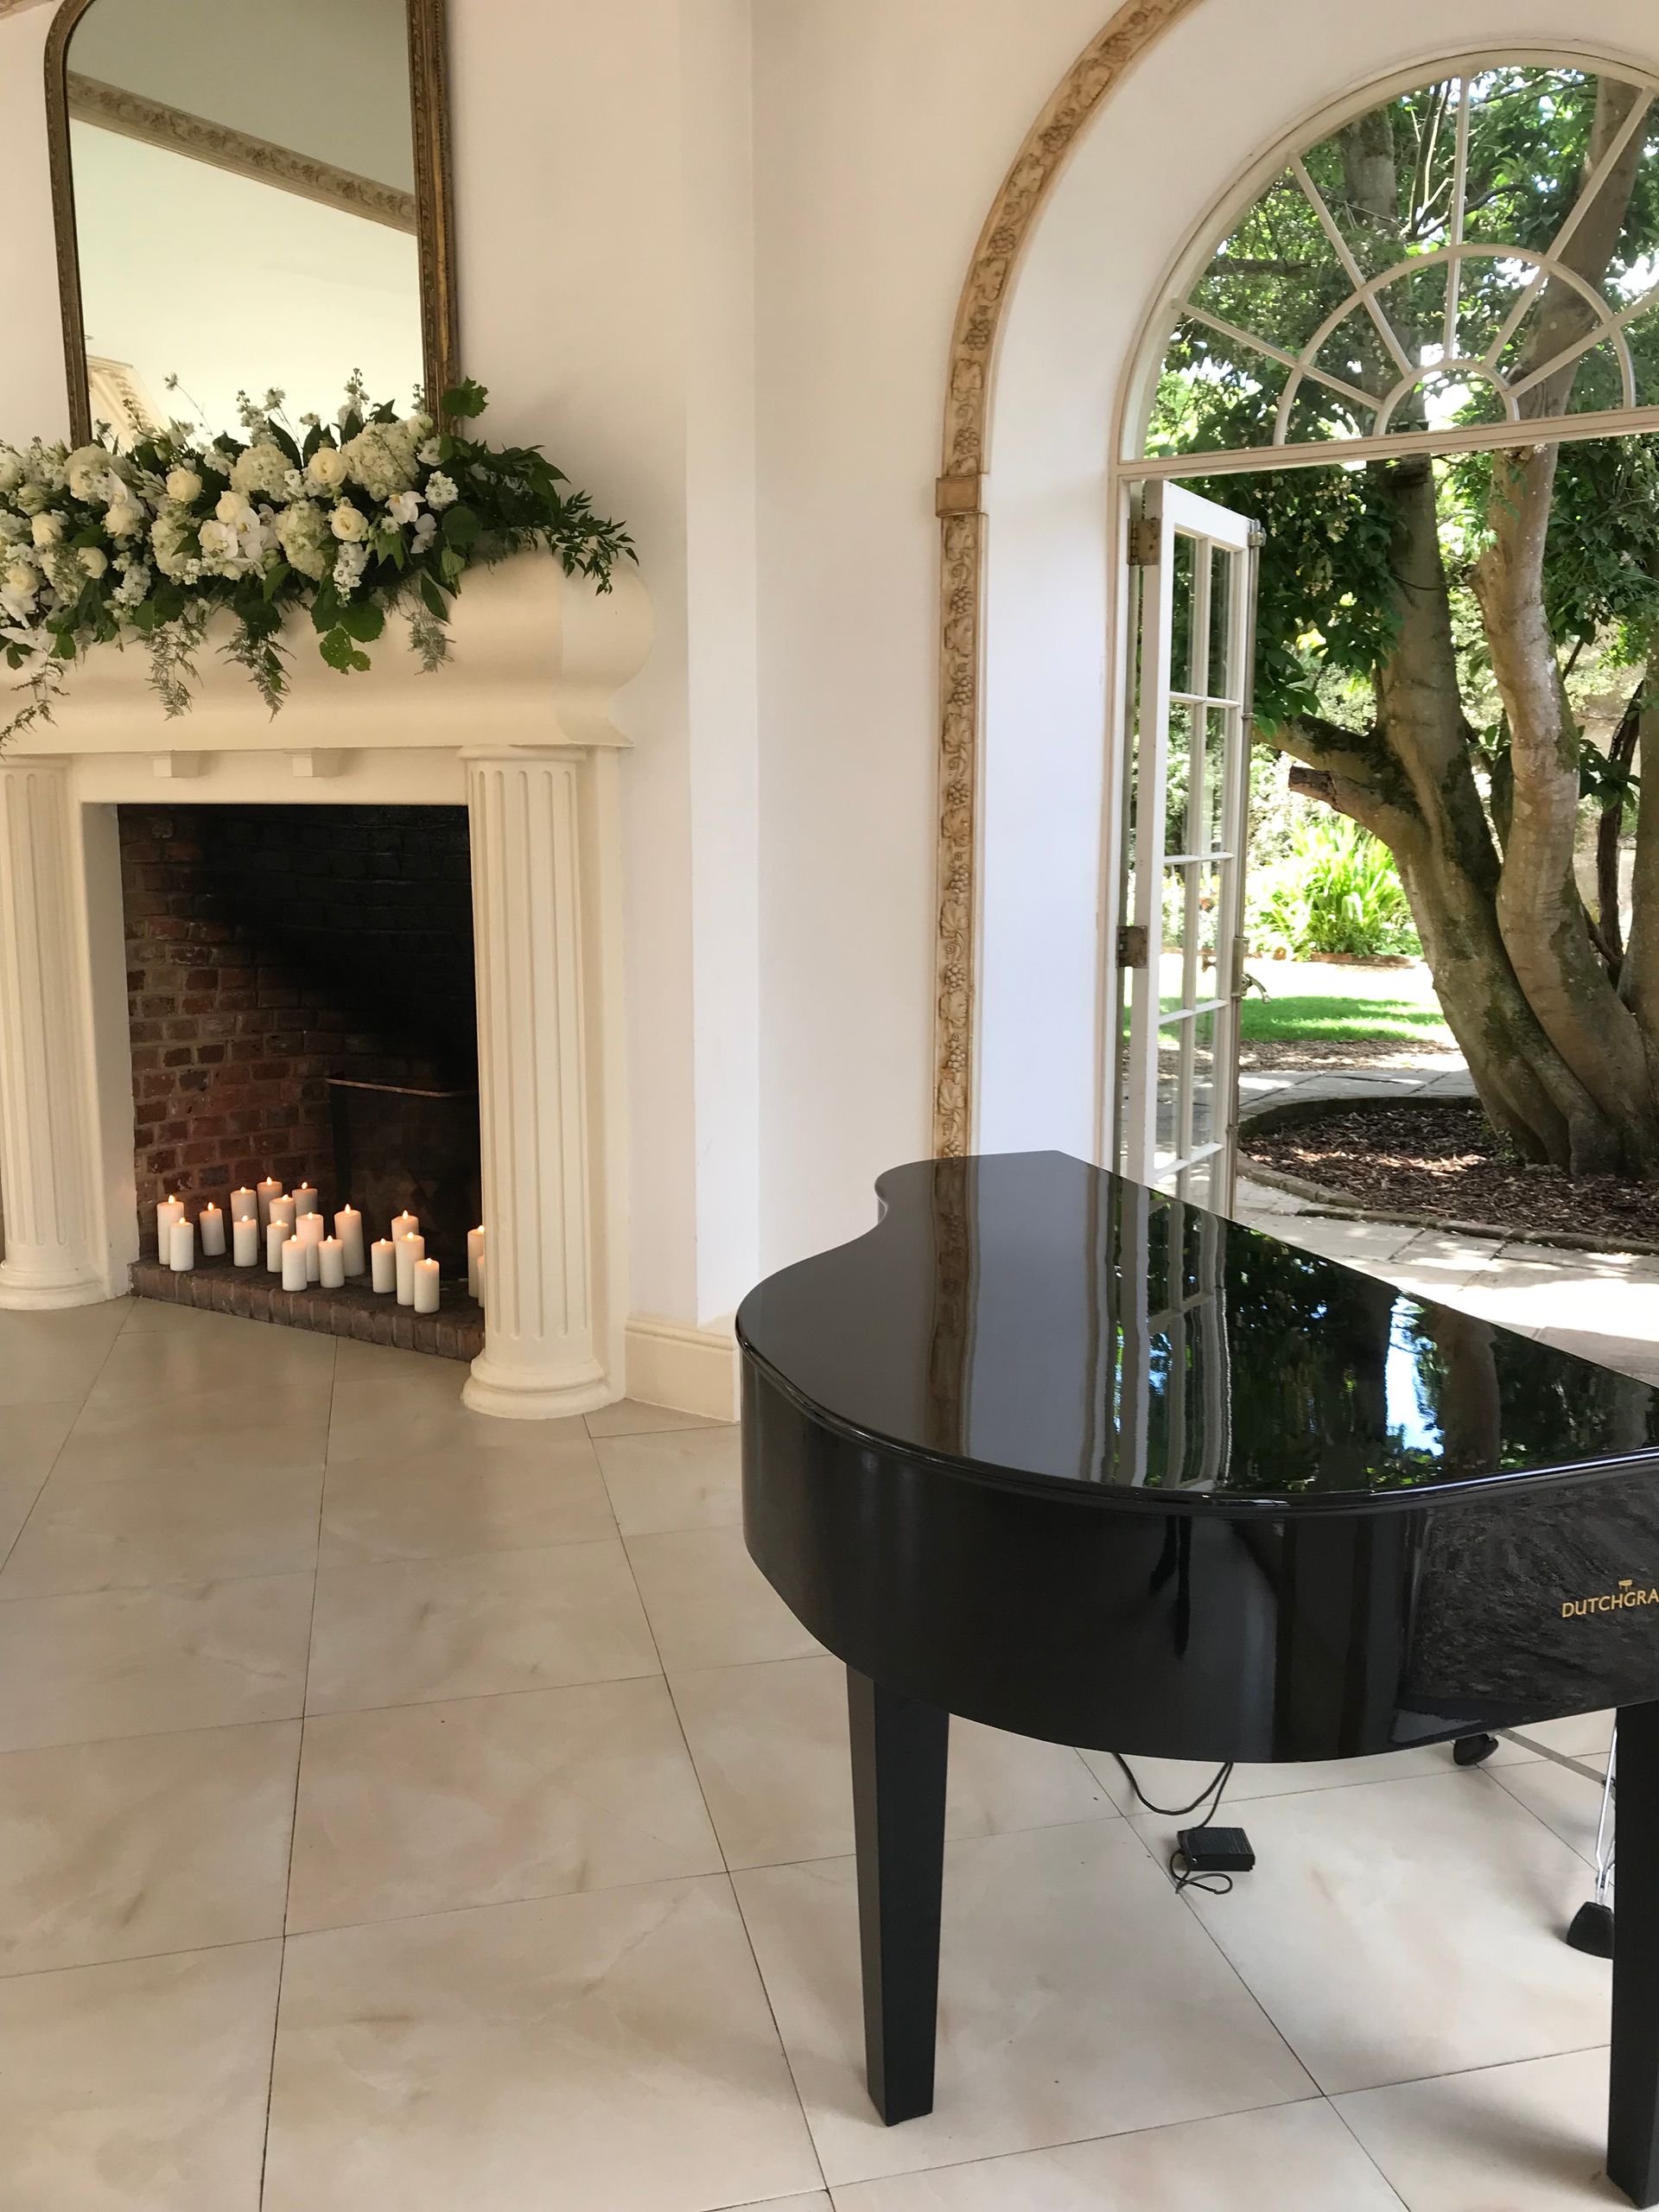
(1013, 212)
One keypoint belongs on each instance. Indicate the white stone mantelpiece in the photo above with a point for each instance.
(517, 728)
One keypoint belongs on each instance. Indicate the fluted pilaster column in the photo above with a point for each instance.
(48, 1165)
(545, 1335)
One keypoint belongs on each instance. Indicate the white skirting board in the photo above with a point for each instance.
(693, 1370)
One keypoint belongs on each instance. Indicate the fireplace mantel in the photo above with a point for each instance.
(516, 726)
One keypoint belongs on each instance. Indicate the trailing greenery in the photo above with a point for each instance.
(352, 521)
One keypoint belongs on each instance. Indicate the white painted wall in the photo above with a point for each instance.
(883, 130)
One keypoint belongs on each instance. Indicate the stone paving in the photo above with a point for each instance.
(1612, 1297)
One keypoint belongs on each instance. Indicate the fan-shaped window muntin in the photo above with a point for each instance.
(1472, 351)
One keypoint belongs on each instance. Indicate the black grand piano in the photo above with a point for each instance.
(1061, 1455)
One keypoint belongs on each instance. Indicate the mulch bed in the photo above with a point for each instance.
(1444, 1160)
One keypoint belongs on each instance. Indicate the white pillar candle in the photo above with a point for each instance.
(268, 1190)
(276, 1235)
(348, 1227)
(305, 1199)
(244, 1241)
(475, 1262)
(404, 1224)
(309, 1233)
(293, 1272)
(484, 1281)
(169, 1213)
(282, 1209)
(245, 1204)
(410, 1249)
(181, 1254)
(331, 1263)
(383, 1258)
(426, 1286)
(213, 1232)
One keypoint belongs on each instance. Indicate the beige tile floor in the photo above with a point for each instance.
(409, 1813)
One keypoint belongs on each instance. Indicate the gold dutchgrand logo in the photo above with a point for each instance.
(1610, 1601)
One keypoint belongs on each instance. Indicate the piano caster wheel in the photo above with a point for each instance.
(1593, 1930)
(1473, 1750)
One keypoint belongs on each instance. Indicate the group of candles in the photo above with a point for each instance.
(292, 1229)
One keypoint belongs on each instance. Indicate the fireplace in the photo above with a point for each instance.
(302, 1005)
(513, 737)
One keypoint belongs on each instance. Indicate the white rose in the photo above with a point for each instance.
(94, 561)
(404, 506)
(431, 454)
(347, 522)
(22, 576)
(11, 469)
(31, 498)
(233, 508)
(48, 529)
(87, 471)
(440, 491)
(325, 470)
(123, 518)
(184, 486)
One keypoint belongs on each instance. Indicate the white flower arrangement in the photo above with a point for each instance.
(352, 520)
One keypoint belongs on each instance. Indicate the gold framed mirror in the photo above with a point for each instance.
(249, 194)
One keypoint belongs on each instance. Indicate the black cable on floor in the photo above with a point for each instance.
(1215, 1885)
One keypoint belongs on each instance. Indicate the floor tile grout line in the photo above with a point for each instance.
(1295, 2056)
(294, 1809)
(80, 1408)
(1341, 2119)
(731, 1885)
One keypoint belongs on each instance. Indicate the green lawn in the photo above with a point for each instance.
(1315, 1001)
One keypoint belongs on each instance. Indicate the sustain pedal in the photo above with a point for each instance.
(1215, 1851)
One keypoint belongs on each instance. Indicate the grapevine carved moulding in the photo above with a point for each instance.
(1096, 73)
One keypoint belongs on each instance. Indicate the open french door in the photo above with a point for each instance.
(1186, 824)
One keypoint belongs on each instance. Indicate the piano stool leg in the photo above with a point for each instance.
(1633, 2104)
(900, 1750)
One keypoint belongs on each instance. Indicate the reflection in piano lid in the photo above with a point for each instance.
(1030, 1313)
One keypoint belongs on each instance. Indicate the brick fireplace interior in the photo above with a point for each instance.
(301, 999)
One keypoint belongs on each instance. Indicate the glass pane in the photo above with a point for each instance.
(1202, 1058)
(1178, 778)
(1183, 563)
(1222, 560)
(1211, 812)
(1278, 276)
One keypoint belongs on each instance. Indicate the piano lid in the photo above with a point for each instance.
(1049, 1321)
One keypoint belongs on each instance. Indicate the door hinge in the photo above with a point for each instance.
(1132, 946)
(1258, 536)
(1146, 533)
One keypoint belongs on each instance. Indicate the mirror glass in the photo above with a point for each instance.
(245, 205)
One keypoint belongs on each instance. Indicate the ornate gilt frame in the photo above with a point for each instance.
(434, 207)
(1098, 69)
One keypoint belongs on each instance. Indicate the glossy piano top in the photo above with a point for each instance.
(1049, 1322)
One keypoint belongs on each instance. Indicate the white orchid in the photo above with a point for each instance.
(404, 508)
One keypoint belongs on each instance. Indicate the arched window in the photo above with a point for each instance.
(1477, 251)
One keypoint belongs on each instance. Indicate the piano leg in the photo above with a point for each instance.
(899, 1755)
(1633, 2107)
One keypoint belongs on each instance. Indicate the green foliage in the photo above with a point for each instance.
(1337, 890)
(358, 518)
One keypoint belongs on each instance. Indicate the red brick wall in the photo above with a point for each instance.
(237, 1021)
